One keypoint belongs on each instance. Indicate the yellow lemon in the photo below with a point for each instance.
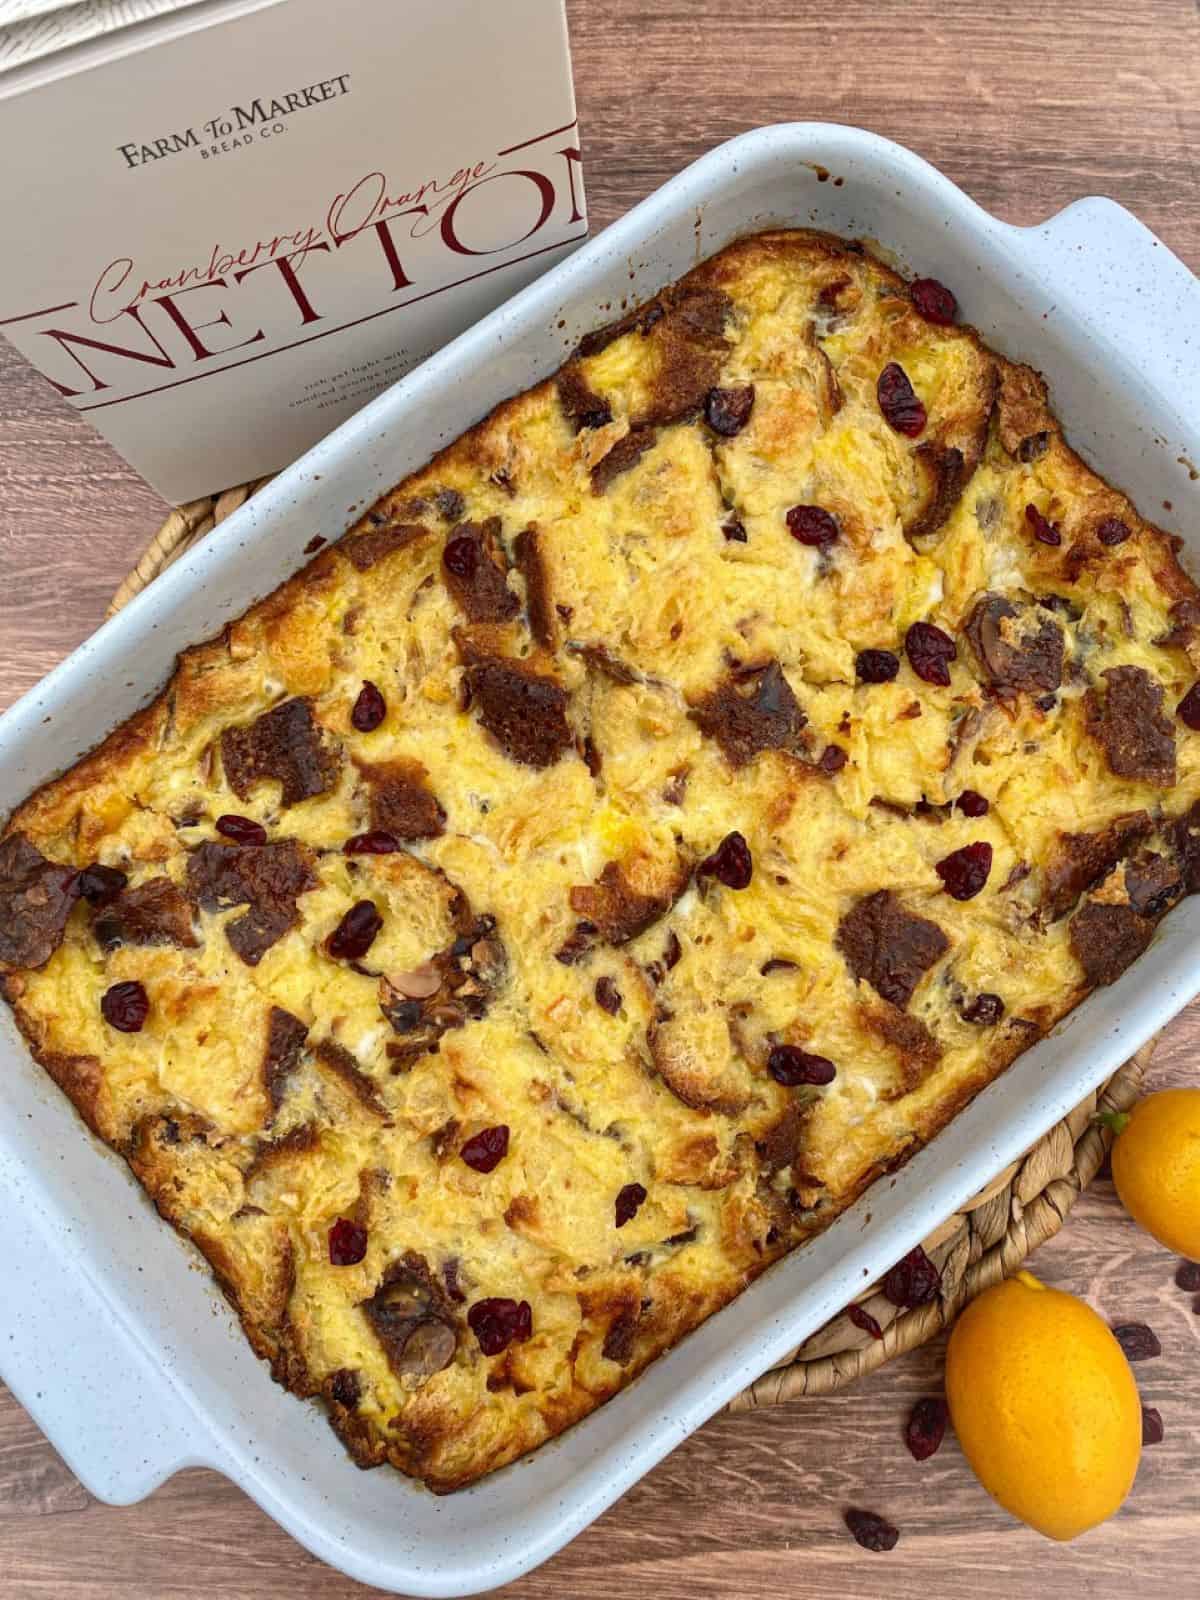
(1044, 1406)
(1156, 1167)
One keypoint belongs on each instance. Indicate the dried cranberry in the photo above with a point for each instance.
(930, 652)
(242, 830)
(1188, 709)
(1187, 1276)
(734, 531)
(375, 842)
(933, 301)
(926, 1428)
(876, 666)
(913, 1281)
(730, 863)
(1152, 1425)
(347, 1243)
(345, 1387)
(98, 885)
(898, 401)
(727, 411)
(369, 709)
(791, 1066)
(461, 556)
(870, 1530)
(608, 996)
(1113, 531)
(496, 1322)
(125, 1006)
(864, 1320)
(833, 759)
(355, 933)
(629, 1201)
(486, 1149)
(813, 525)
(985, 1010)
(972, 804)
(1043, 530)
(964, 872)
(1139, 1342)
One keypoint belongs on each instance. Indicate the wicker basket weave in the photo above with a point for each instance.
(986, 1241)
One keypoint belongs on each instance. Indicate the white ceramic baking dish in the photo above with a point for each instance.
(107, 1330)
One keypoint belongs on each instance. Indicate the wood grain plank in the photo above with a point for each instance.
(1028, 107)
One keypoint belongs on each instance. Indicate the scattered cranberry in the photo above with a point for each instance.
(487, 1149)
(930, 652)
(98, 885)
(1139, 1342)
(813, 525)
(1043, 530)
(1152, 1425)
(373, 843)
(347, 1243)
(355, 933)
(242, 830)
(913, 1281)
(608, 996)
(985, 1010)
(727, 411)
(125, 1006)
(864, 1320)
(734, 530)
(1113, 531)
(972, 804)
(926, 1428)
(870, 1530)
(730, 863)
(964, 872)
(833, 759)
(791, 1066)
(344, 1385)
(1188, 709)
(369, 709)
(461, 556)
(496, 1322)
(1187, 1277)
(933, 301)
(629, 1201)
(898, 401)
(876, 666)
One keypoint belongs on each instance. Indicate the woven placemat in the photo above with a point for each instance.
(986, 1241)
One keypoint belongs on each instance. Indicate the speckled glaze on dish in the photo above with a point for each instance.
(107, 1335)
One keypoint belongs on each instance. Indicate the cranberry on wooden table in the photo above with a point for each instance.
(926, 1427)
(871, 1530)
(125, 1006)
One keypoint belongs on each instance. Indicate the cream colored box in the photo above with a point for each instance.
(230, 223)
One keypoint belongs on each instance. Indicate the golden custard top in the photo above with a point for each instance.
(651, 822)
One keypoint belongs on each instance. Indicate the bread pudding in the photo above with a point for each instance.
(649, 824)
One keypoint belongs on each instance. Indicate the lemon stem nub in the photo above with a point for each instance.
(1115, 1121)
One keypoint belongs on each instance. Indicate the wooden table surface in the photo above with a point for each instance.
(1027, 106)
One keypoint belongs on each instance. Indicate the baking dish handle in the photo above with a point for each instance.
(112, 1415)
(1141, 300)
